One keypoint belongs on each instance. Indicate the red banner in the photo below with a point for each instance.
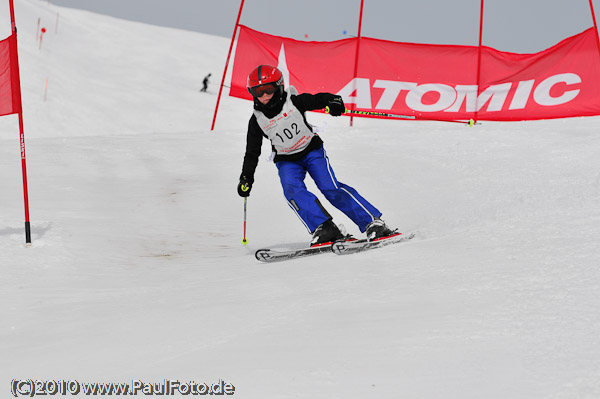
(9, 93)
(433, 81)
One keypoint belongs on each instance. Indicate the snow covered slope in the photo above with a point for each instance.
(137, 272)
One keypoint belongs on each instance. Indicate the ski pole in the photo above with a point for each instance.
(245, 240)
(470, 122)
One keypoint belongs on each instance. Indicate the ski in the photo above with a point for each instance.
(352, 247)
(270, 255)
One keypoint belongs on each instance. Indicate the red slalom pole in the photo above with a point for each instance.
(595, 24)
(479, 60)
(237, 22)
(16, 80)
(362, 2)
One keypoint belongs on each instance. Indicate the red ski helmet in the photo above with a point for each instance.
(264, 79)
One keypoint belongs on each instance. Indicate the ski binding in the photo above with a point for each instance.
(351, 247)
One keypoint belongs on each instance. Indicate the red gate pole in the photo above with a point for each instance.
(479, 61)
(237, 22)
(595, 25)
(16, 83)
(357, 52)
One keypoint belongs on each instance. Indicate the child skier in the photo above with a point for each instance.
(279, 115)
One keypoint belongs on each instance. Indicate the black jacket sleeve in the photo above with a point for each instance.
(310, 102)
(254, 139)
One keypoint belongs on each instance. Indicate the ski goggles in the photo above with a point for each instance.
(259, 91)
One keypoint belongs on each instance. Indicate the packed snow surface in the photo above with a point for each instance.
(137, 272)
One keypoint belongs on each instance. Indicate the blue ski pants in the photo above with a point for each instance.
(307, 206)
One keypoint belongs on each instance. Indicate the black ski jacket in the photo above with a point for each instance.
(304, 102)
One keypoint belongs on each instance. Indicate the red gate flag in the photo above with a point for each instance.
(433, 81)
(9, 89)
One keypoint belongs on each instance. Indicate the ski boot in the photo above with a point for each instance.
(327, 232)
(378, 229)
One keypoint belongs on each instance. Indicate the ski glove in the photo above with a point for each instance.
(244, 187)
(336, 106)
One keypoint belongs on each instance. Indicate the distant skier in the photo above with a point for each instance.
(205, 83)
(279, 115)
